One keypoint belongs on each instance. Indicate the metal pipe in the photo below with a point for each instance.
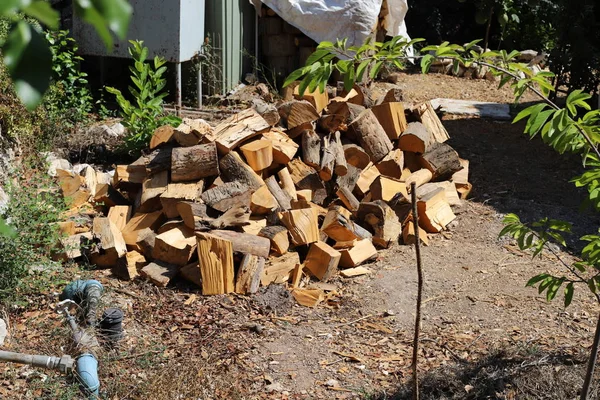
(178, 93)
(87, 293)
(87, 374)
(63, 364)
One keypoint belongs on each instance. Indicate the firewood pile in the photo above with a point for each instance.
(283, 194)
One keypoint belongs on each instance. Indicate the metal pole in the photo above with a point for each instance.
(199, 82)
(178, 92)
(63, 364)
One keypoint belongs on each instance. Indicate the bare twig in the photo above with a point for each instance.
(415, 355)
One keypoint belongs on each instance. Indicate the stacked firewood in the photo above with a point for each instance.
(274, 194)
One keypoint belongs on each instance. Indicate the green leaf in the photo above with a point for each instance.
(6, 230)
(536, 279)
(531, 110)
(349, 78)
(426, 62)
(569, 289)
(316, 56)
(43, 12)
(29, 62)
(294, 76)
(362, 67)
(375, 70)
(553, 289)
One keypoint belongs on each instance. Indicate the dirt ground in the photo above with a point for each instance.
(484, 335)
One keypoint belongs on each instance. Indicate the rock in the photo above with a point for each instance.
(527, 55)
(3, 200)
(274, 387)
(55, 162)
(3, 332)
(78, 168)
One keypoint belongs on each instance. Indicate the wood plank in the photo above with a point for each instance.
(215, 255)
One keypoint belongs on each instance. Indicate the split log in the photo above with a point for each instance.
(191, 131)
(223, 197)
(392, 96)
(266, 110)
(215, 257)
(178, 192)
(370, 135)
(416, 138)
(362, 251)
(419, 177)
(302, 225)
(349, 180)
(191, 273)
(262, 201)
(108, 196)
(254, 225)
(316, 98)
(412, 161)
(429, 118)
(120, 215)
(194, 163)
(461, 180)
(304, 194)
(341, 165)
(352, 272)
(339, 115)
(409, 234)
(356, 156)
(392, 165)
(278, 235)
(236, 129)
(284, 148)
(282, 197)
(386, 189)
(338, 226)
(392, 119)
(238, 215)
(145, 242)
(234, 169)
(449, 190)
(258, 154)
(327, 163)
(311, 148)
(162, 135)
(249, 274)
(442, 160)
(434, 211)
(366, 179)
(127, 268)
(349, 200)
(159, 160)
(112, 245)
(297, 274)
(72, 246)
(383, 222)
(278, 269)
(245, 243)
(305, 177)
(152, 188)
(308, 297)
(195, 215)
(127, 176)
(296, 113)
(322, 260)
(141, 221)
(287, 184)
(160, 273)
(175, 246)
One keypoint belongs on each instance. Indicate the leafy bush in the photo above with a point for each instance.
(34, 208)
(70, 97)
(142, 116)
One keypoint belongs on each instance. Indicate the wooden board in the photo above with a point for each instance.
(215, 257)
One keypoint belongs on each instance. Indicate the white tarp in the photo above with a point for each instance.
(329, 20)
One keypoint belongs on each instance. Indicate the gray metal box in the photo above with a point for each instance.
(173, 29)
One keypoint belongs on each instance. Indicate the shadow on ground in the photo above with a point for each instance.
(514, 174)
(503, 376)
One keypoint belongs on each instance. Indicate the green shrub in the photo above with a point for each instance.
(34, 208)
(69, 98)
(142, 116)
